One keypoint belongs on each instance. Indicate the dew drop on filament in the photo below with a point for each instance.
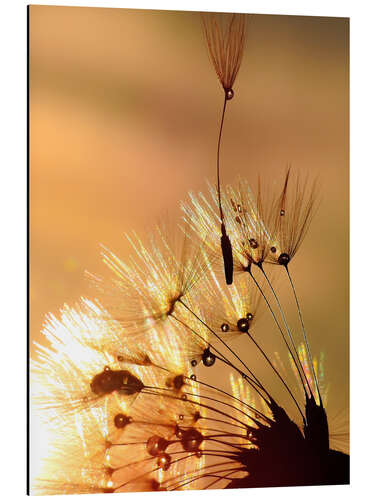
(192, 439)
(121, 421)
(208, 357)
(164, 461)
(243, 325)
(229, 94)
(156, 445)
(283, 259)
(178, 432)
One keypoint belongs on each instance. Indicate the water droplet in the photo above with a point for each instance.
(229, 94)
(121, 420)
(115, 380)
(178, 432)
(193, 377)
(199, 454)
(233, 205)
(253, 243)
(108, 490)
(181, 417)
(178, 382)
(224, 327)
(243, 325)
(156, 445)
(283, 259)
(194, 362)
(184, 397)
(249, 316)
(192, 439)
(164, 461)
(155, 485)
(239, 208)
(282, 212)
(109, 471)
(273, 249)
(208, 357)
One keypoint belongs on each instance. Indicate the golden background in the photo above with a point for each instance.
(124, 110)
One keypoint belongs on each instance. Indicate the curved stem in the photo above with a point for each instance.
(278, 326)
(277, 373)
(286, 325)
(218, 160)
(304, 333)
(256, 381)
(219, 355)
(257, 412)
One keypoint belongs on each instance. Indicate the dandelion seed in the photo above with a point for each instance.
(225, 45)
(145, 292)
(252, 232)
(293, 212)
(225, 35)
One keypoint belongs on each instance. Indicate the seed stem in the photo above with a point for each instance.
(304, 333)
(278, 325)
(286, 325)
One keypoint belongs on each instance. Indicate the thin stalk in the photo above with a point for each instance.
(256, 381)
(304, 333)
(286, 325)
(218, 160)
(236, 399)
(278, 326)
(200, 396)
(176, 486)
(219, 355)
(277, 372)
(224, 422)
(150, 393)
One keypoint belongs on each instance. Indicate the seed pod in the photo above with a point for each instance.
(226, 249)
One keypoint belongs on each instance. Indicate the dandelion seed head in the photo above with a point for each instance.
(225, 37)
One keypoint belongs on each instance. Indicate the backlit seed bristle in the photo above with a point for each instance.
(134, 406)
(225, 36)
(152, 282)
(295, 206)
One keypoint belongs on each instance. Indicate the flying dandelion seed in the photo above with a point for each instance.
(225, 36)
(127, 383)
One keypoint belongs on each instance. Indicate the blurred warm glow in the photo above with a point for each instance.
(124, 109)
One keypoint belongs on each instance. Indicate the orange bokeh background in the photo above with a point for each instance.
(124, 110)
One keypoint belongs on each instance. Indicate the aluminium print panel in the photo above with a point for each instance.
(188, 250)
